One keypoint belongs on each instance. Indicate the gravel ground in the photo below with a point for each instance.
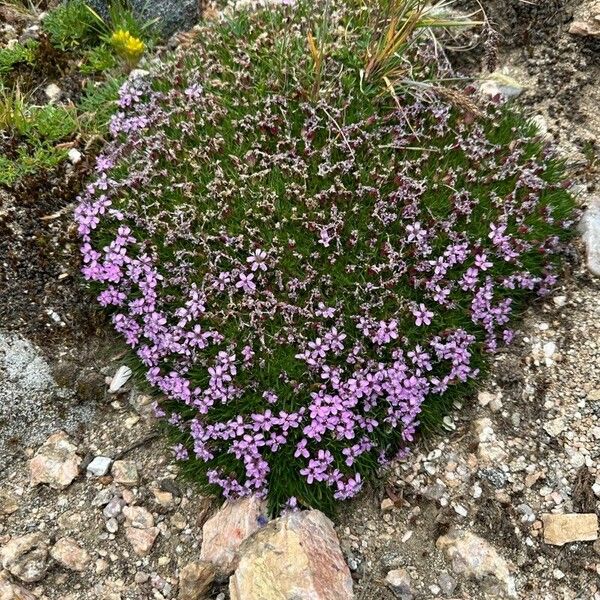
(527, 446)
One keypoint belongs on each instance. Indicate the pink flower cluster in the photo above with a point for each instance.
(303, 283)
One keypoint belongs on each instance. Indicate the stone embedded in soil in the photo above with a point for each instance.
(196, 580)
(74, 156)
(163, 498)
(387, 505)
(223, 533)
(125, 472)
(554, 427)
(502, 85)
(587, 21)
(138, 517)
(141, 540)
(489, 451)
(446, 583)
(70, 554)
(112, 525)
(139, 529)
(566, 528)
(475, 558)
(114, 508)
(99, 466)
(53, 93)
(12, 591)
(590, 229)
(8, 502)
(399, 582)
(55, 463)
(26, 557)
(295, 556)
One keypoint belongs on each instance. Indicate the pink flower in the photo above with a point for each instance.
(246, 284)
(422, 315)
(257, 260)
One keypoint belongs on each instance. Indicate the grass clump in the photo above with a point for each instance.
(71, 25)
(33, 135)
(17, 54)
(99, 59)
(308, 257)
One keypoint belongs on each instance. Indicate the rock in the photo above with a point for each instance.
(474, 557)
(489, 450)
(74, 156)
(495, 476)
(223, 533)
(555, 427)
(163, 498)
(295, 556)
(70, 554)
(195, 581)
(53, 93)
(582, 28)
(112, 525)
(446, 583)
(494, 401)
(12, 591)
(171, 15)
(559, 301)
(26, 557)
(179, 521)
(138, 517)
(141, 577)
(501, 85)
(141, 540)
(120, 378)
(99, 466)
(399, 582)
(114, 508)
(590, 229)
(387, 505)
(8, 502)
(587, 20)
(103, 497)
(574, 527)
(139, 529)
(125, 472)
(55, 463)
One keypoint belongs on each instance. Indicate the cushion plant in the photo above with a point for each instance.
(310, 252)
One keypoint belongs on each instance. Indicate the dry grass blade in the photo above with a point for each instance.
(317, 57)
(395, 32)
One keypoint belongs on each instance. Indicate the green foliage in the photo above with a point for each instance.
(47, 123)
(29, 161)
(36, 131)
(98, 104)
(98, 59)
(17, 54)
(52, 123)
(71, 25)
(122, 18)
(12, 110)
(274, 134)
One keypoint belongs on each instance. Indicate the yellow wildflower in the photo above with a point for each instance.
(127, 45)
